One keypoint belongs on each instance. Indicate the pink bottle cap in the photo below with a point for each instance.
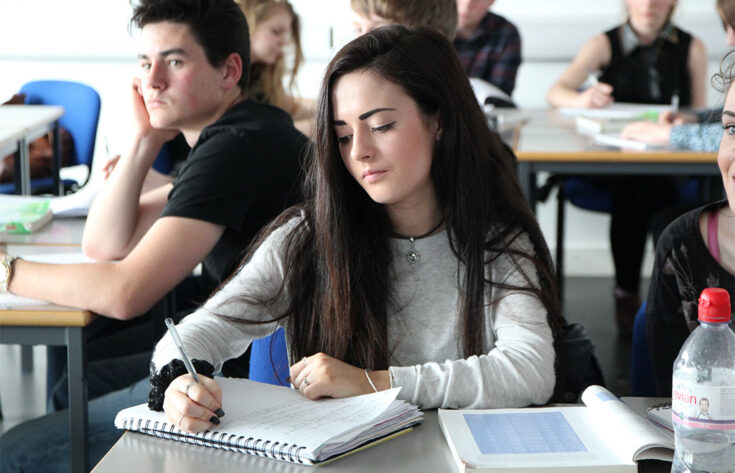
(714, 305)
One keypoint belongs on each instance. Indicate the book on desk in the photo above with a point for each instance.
(19, 215)
(280, 423)
(604, 435)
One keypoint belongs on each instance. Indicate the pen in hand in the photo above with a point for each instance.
(189, 367)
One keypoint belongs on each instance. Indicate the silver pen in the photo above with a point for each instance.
(175, 335)
(189, 367)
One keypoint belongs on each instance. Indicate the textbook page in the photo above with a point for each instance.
(616, 140)
(640, 439)
(78, 203)
(618, 110)
(543, 439)
(284, 415)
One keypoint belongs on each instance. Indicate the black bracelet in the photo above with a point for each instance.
(169, 372)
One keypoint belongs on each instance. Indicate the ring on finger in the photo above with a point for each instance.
(306, 363)
(180, 419)
(186, 391)
(306, 381)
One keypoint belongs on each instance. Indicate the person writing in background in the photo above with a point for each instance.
(700, 130)
(244, 169)
(488, 45)
(274, 25)
(645, 60)
(696, 251)
(414, 260)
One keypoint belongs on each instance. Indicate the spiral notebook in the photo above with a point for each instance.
(280, 423)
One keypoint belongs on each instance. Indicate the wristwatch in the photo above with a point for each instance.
(6, 267)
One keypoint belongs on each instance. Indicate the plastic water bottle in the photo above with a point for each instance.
(703, 391)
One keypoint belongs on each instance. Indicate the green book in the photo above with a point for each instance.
(23, 216)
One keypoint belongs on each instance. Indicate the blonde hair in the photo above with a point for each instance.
(438, 14)
(266, 80)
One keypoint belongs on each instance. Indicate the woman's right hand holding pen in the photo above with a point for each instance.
(595, 96)
(193, 407)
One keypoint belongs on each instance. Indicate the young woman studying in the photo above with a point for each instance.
(696, 251)
(414, 262)
(645, 60)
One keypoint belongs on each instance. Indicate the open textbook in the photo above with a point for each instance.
(605, 435)
(279, 422)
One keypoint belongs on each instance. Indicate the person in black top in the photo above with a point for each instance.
(244, 169)
(694, 252)
(645, 60)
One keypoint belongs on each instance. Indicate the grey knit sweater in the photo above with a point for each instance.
(424, 330)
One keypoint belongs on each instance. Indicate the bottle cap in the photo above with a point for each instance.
(714, 305)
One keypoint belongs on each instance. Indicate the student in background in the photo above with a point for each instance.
(695, 252)
(243, 170)
(488, 45)
(274, 25)
(414, 261)
(700, 130)
(645, 60)
(438, 14)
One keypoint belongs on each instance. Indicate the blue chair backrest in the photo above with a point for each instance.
(269, 359)
(642, 381)
(81, 112)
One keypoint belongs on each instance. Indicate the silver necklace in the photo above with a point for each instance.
(414, 256)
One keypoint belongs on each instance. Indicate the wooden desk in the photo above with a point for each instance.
(60, 233)
(30, 122)
(423, 450)
(50, 324)
(55, 325)
(549, 142)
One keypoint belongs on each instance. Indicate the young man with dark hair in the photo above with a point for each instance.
(243, 170)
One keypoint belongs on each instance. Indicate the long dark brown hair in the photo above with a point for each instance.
(338, 259)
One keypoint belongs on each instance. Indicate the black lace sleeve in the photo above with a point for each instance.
(174, 369)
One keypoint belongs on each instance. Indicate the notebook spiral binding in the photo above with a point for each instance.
(222, 440)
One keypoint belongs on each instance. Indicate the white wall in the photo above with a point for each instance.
(88, 41)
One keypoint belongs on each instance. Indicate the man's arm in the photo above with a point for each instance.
(164, 256)
(120, 215)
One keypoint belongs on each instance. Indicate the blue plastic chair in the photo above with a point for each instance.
(642, 381)
(81, 115)
(269, 359)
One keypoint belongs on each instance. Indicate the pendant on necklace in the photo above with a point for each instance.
(412, 256)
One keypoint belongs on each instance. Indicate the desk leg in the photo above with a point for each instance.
(58, 186)
(78, 415)
(527, 179)
(22, 175)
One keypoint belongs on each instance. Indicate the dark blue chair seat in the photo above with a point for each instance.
(642, 381)
(269, 359)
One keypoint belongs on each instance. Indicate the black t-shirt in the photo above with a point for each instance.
(682, 269)
(242, 172)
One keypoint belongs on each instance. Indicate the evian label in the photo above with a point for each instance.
(703, 406)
